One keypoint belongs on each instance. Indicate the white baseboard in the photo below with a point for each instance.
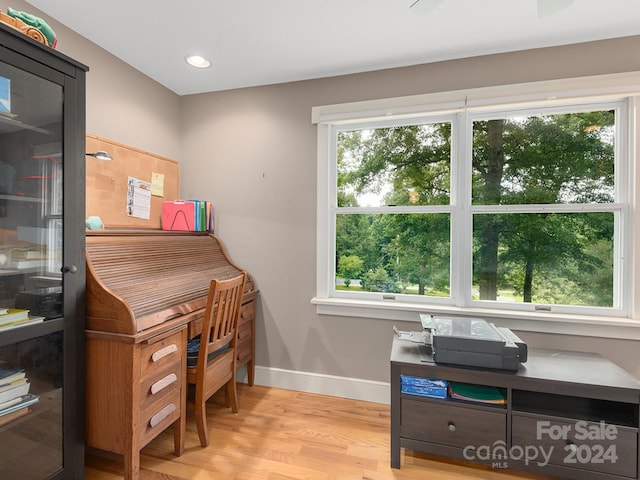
(345, 387)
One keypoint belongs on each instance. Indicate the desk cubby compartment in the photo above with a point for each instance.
(587, 434)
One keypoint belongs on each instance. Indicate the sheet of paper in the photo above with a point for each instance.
(157, 184)
(138, 198)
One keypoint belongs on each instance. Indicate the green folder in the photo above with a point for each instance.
(477, 393)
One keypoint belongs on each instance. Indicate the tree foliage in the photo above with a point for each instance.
(532, 160)
(349, 267)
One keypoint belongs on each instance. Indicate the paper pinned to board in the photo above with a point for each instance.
(157, 184)
(138, 198)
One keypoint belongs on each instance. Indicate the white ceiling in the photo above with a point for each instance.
(260, 42)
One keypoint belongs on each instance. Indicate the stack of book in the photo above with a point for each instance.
(15, 399)
(28, 258)
(15, 317)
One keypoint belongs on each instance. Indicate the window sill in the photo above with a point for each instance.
(580, 325)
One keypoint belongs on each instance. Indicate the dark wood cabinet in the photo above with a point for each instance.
(42, 266)
(564, 414)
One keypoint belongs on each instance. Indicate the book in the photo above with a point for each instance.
(14, 314)
(25, 400)
(196, 207)
(10, 385)
(10, 403)
(4, 311)
(203, 215)
(29, 263)
(11, 416)
(210, 217)
(5, 95)
(14, 392)
(21, 323)
(28, 255)
(8, 375)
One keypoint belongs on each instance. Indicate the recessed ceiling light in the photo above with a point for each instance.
(197, 61)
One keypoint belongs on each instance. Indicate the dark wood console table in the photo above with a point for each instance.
(566, 414)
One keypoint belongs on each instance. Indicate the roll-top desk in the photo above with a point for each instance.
(146, 295)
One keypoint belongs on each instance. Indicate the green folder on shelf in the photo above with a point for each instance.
(477, 393)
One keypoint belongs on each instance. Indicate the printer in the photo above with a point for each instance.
(473, 342)
(44, 301)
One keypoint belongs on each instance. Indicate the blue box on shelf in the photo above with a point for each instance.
(426, 387)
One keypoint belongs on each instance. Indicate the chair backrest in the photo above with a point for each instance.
(221, 315)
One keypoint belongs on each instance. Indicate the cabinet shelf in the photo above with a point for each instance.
(39, 431)
(9, 124)
(452, 401)
(575, 408)
(20, 198)
(27, 332)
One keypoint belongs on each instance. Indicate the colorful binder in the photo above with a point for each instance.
(178, 215)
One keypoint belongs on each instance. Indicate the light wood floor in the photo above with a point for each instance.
(286, 435)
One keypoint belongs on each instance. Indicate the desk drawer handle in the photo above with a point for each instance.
(163, 383)
(161, 415)
(451, 427)
(163, 352)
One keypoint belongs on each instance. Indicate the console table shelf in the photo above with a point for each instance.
(566, 414)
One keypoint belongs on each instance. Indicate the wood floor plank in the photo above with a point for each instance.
(287, 435)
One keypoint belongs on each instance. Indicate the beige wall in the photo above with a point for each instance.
(252, 152)
(122, 104)
(259, 148)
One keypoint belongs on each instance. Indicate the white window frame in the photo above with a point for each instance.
(621, 307)
(623, 322)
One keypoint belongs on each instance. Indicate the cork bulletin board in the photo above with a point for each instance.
(107, 183)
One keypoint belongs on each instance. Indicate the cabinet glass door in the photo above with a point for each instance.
(31, 306)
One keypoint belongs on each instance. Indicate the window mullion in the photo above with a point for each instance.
(461, 221)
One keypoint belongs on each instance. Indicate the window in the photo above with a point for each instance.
(488, 209)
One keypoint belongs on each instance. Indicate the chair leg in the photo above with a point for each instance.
(232, 393)
(201, 419)
(227, 401)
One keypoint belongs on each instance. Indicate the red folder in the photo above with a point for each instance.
(179, 215)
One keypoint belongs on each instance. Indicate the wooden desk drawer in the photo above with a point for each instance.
(577, 444)
(159, 384)
(247, 314)
(244, 334)
(158, 355)
(158, 415)
(452, 425)
(243, 356)
(245, 340)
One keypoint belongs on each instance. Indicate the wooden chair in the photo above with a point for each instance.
(211, 356)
